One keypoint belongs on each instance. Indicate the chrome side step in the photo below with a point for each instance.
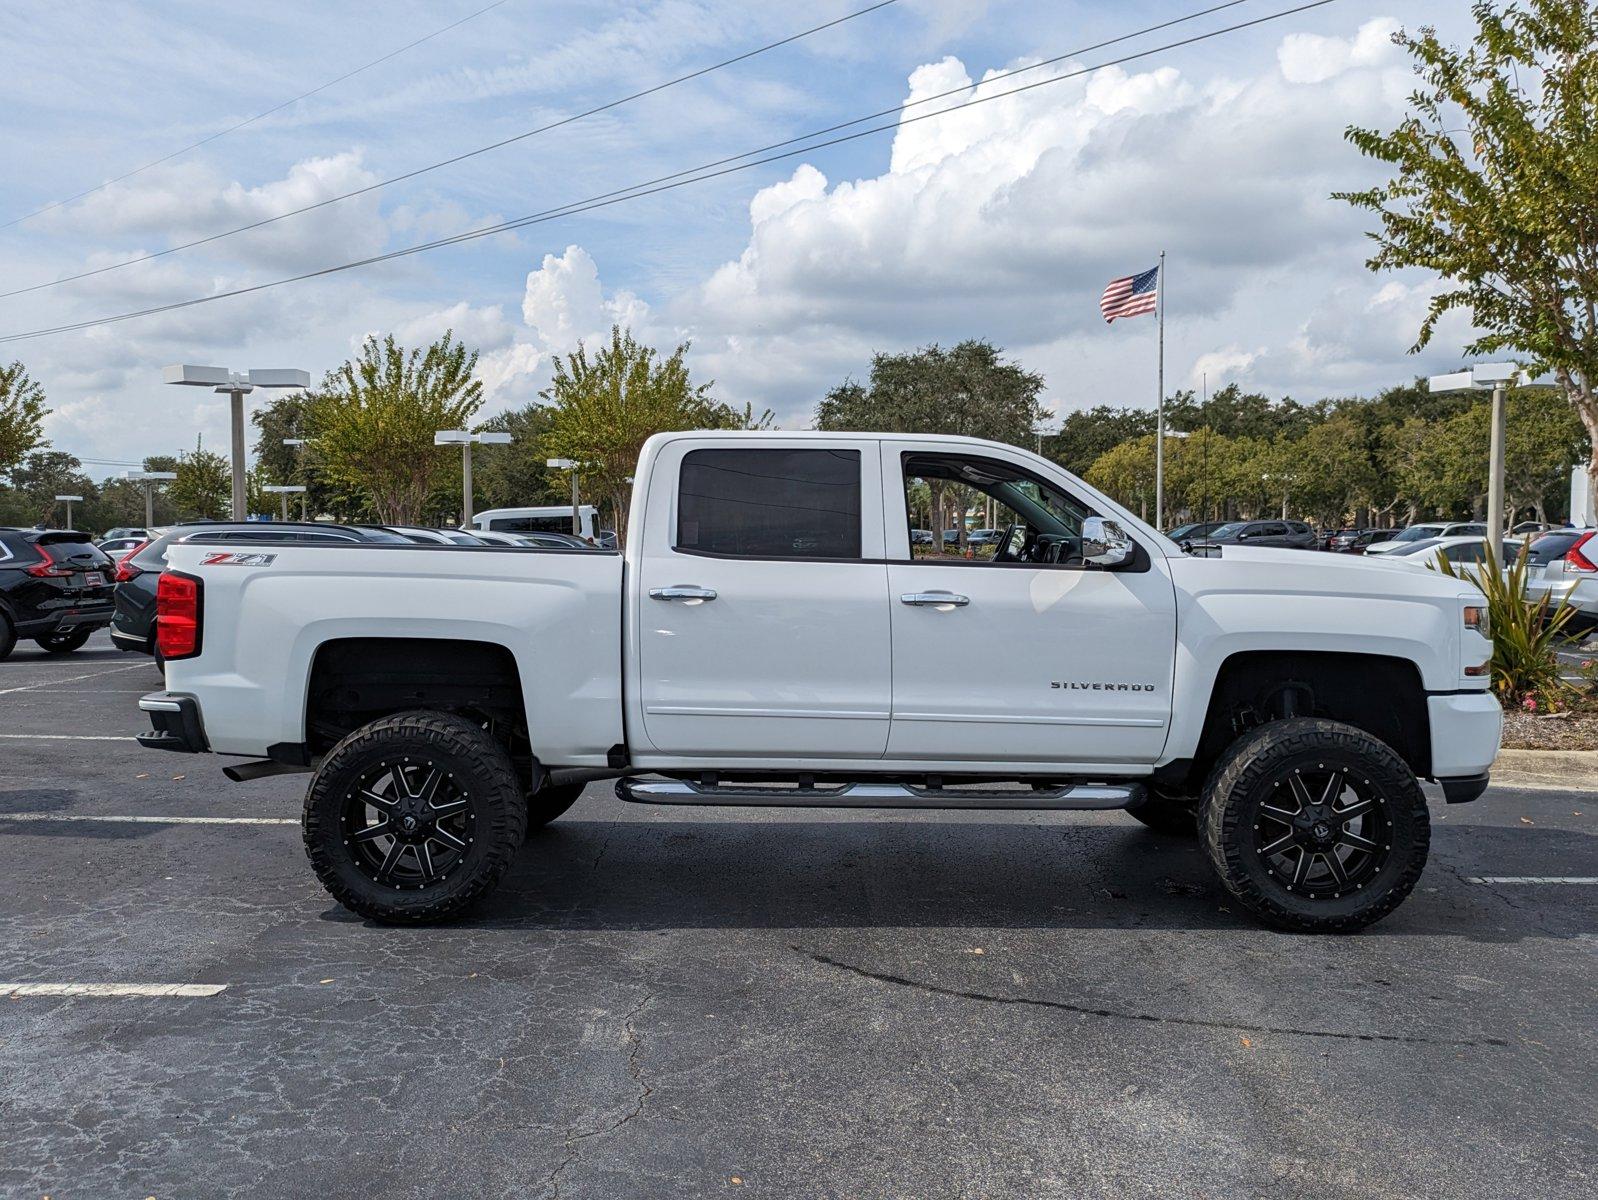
(880, 795)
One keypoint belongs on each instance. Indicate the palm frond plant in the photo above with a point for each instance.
(1525, 634)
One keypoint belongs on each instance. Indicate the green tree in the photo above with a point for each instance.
(22, 408)
(372, 422)
(967, 390)
(605, 405)
(1495, 188)
(204, 486)
(37, 481)
(1087, 433)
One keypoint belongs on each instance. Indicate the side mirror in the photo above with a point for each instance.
(1104, 543)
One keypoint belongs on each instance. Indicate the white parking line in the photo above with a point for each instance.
(31, 687)
(143, 820)
(1589, 880)
(111, 989)
(68, 737)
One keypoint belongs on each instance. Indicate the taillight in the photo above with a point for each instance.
(1575, 560)
(48, 567)
(177, 615)
(125, 568)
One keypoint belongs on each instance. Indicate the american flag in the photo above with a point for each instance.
(1131, 295)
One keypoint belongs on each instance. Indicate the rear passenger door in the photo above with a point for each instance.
(761, 618)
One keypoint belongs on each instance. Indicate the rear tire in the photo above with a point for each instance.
(414, 817)
(8, 636)
(1315, 826)
(550, 801)
(64, 643)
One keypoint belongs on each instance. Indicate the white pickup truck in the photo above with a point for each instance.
(771, 637)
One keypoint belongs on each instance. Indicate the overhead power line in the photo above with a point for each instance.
(705, 171)
(221, 133)
(601, 108)
(446, 162)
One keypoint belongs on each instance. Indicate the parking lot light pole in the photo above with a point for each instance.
(69, 500)
(236, 384)
(567, 464)
(464, 439)
(149, 479)
(284, 491)
(1498, 377)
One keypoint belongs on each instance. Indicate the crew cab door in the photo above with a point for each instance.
(1020, 653)
(761, 603)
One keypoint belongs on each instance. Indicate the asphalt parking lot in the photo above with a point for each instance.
(669, 1003)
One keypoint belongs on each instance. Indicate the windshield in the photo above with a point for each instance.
(1416, 532)
(1415, 547)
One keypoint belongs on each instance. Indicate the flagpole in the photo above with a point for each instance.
(1159, 411)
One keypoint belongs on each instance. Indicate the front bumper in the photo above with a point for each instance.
(175, 723)
(129, 641)
(1466, 728)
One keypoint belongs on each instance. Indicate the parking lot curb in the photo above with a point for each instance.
(1562, 770)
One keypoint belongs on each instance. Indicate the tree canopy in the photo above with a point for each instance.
(372, 421)
(1495, 188)
(22, 409)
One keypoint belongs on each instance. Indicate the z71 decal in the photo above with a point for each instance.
(224, 559)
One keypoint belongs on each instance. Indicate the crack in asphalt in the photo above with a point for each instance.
(1149, 1018)
(635, 1070)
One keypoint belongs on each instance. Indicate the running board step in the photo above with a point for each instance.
(880, 795)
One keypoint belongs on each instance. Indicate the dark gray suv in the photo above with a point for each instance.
(1291, 535)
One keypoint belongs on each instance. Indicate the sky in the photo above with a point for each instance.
(1003, 221)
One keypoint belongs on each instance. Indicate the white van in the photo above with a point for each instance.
(548, 518)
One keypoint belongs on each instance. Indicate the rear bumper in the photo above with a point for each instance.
(123, 640)
(76, 618)
(1466, 728)
(175, 723)
(1580, 593)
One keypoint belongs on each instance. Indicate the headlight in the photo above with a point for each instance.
(1476, 618)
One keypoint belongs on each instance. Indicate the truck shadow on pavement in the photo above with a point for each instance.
(632, 875)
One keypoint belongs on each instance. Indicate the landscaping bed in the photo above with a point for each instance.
(1562, 731)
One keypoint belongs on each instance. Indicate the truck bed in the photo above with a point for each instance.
(267, 609)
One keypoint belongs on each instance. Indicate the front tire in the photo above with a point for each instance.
(64, 642)
(414, 818)
(1315, 826)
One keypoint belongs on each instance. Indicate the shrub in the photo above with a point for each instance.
(1525, 664)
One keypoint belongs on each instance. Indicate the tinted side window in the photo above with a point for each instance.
(1270, 530)
(770, 503)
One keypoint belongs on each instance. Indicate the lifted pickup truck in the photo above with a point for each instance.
(771, 637)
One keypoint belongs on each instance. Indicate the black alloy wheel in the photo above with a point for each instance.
(408, 823)
(1314, 825)
(1326, 831)
(414, 817)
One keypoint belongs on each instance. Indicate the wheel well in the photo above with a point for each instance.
(357, 680)
(1381, 695)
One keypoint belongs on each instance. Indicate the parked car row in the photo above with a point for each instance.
(57, 586)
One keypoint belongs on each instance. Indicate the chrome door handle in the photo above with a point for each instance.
(934, 599)
(682, 593)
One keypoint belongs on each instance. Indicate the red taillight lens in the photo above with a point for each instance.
(1575, 560)
(125, 568)
(47, 567)
(177, 615)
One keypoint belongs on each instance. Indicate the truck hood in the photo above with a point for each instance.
(1305, 572)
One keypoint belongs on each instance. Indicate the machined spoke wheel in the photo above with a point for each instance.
(414, 817)
(1330, 835)
(407, 823)
(1315, 825)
